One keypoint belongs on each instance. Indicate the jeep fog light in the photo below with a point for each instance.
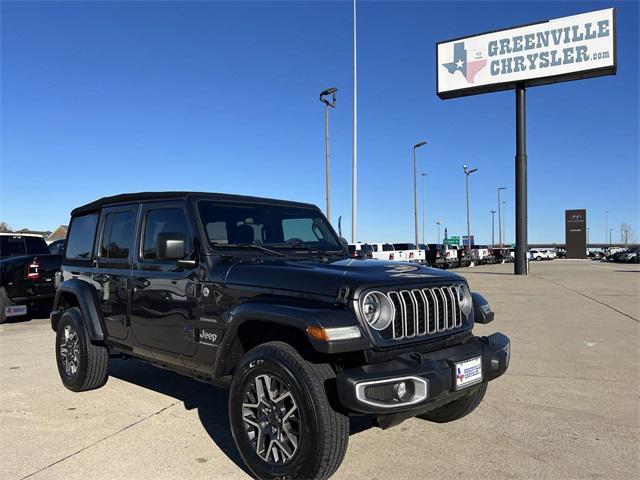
(336, 333)
(393, 392)
(404, 391)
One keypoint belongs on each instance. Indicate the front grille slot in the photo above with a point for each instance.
(422, 312)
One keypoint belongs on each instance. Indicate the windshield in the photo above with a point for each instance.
(273, 226)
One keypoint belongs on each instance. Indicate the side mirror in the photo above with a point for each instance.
(170, 246)
(482, 312)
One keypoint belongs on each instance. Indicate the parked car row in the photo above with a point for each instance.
(437, 255)
(626, 255)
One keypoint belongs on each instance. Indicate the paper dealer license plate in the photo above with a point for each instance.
(468, 372)
(15, 310)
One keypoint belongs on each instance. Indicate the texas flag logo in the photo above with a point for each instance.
(468, 65)
(460, 375)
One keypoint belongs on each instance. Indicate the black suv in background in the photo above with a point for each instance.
(260, 296)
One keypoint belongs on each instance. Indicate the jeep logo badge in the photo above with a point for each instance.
(208, 338)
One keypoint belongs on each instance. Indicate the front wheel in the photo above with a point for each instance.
(281, 419)
(458, 408)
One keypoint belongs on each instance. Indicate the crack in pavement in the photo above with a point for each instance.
(509, 374)
(587, 296)
(112, 434)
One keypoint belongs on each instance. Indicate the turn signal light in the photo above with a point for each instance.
(336, 333)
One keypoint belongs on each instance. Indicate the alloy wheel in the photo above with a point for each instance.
(70, 351)
(271, 419)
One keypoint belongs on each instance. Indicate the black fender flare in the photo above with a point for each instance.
(87, 297)
(296, 317)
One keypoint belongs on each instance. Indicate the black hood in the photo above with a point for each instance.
(326, 279)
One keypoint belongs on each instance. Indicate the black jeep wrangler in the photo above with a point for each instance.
(260, 296)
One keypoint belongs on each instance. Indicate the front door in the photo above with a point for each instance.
(112, 270)
(163, 293)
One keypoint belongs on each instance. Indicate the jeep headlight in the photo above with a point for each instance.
(377, 310)
(464, 299)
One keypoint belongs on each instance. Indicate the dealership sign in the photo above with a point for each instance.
(568, 48)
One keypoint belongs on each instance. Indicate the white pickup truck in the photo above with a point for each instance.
(386, 251)
(481, 255)
(411, 252)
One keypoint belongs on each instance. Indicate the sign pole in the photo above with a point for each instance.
(520, 265)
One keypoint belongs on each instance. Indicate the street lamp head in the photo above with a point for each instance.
(329, 91)
(419, 144)
(423, 174)
(473, 170)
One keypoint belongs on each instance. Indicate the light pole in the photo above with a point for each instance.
(493, 228)
(439, 222)
(504, 222)
(610, 230)
(415, 190)
(467, 174)
(424, 195)
(500, 216)
(587, 237)
(354, 155)
(327, 104)
(606, 225)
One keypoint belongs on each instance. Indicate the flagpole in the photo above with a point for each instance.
(354, 173)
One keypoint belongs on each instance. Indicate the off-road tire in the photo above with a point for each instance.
(93, 359)
(458, 408)
(4, 302)
(324, 433)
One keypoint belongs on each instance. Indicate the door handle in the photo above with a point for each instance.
(100, 278)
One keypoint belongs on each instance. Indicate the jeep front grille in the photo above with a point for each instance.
(421, 312)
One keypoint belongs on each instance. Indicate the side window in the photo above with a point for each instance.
(12, 246)
(81, 234)
(117, 235)
(163, 220)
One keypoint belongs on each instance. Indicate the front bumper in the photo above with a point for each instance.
(433, 374)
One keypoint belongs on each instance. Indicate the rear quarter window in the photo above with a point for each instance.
(82, 232)
(36, 246)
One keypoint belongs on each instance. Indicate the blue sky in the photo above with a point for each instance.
(100, 98)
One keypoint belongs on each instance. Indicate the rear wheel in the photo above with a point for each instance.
(280, 415)
(456, 409)
(81, 364)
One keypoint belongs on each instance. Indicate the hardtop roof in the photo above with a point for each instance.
(124, 198)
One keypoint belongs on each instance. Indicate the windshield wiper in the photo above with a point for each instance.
(303, 247)
(248, 246)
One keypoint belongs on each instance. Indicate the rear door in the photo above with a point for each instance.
(112, 270)
(162, 293)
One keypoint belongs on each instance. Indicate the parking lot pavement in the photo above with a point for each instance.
(567, 408)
